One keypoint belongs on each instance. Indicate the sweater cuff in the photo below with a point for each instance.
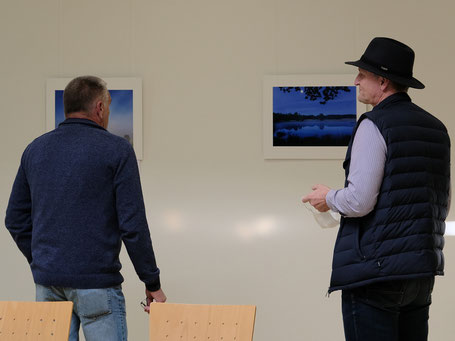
(156, 285)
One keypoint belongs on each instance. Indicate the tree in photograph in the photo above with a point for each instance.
(322, 93)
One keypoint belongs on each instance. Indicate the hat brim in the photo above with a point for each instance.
(411, 82)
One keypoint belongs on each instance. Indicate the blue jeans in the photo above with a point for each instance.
(101, 312)
(392, 311)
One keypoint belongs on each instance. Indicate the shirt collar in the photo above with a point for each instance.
(81, 121)
(396, 97)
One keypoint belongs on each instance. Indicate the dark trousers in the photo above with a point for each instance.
(388, 311)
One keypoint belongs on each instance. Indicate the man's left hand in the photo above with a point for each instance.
(317, 197)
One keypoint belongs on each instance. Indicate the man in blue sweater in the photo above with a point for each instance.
(76, 197)
(393, 205)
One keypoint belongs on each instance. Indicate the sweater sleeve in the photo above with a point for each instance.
(18, 218)
(133, 222)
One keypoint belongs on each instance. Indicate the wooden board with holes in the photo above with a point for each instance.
(37, 321)
(194, 322)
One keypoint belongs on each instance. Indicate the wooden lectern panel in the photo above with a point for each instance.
(37, 321)
(194, 322)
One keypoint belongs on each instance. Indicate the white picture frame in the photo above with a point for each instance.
(130, 87)
(271, 142)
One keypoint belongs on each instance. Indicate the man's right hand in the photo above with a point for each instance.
(154, 296)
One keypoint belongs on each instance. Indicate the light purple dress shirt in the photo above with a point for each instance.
(366, 171)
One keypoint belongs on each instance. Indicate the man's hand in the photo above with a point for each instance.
(154, 296)
(317, 197)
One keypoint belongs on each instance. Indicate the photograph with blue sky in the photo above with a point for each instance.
(121, 112)
(297, 102)
(313, 116)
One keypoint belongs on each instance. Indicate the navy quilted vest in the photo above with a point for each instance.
(403, 236)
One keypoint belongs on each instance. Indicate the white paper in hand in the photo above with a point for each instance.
(324, 219)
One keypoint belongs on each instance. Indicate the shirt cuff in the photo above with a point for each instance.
(330, 199)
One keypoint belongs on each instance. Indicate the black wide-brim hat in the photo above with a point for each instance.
(390, 59)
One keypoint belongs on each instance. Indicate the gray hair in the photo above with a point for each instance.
(81, 93)
(399, 87)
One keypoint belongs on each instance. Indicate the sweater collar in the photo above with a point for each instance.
(396, 97)
(81, 121)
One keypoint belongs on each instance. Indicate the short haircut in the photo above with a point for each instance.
(396, 86)
(81, 93)
(399, 87)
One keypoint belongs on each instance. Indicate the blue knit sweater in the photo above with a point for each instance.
(77, 195)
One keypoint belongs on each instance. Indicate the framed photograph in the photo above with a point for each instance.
(309, 116)
(125, 117)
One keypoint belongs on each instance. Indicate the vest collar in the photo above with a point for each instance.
(81, 121)
(396, 97)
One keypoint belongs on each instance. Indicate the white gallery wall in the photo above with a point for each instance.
(227, 226)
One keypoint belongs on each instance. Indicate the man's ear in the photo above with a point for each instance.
(99, 109)
(384, 83)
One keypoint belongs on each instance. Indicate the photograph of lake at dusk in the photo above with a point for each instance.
(313, 116)
(120, 117)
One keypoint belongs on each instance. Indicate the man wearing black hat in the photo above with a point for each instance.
(393, 206)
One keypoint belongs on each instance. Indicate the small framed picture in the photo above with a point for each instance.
(309, 116)
(125, 117)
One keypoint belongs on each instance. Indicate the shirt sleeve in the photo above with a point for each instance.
(133, 222)
(366, 172)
